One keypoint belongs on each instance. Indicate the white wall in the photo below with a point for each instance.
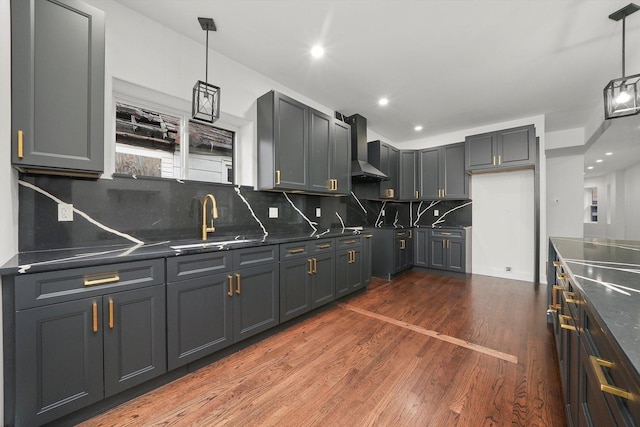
(503, 219)
(632, 202)
(8, 177)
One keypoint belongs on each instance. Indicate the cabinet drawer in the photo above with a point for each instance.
(250, 257)
(611, 372)
(35, 290)
(348, 242)
(323, 245)
(189, 266)
(295, 249)
(447, 233)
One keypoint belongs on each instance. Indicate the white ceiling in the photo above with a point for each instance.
(446, 65)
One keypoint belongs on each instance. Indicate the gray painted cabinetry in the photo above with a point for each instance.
(385, 158)
(442, 248)
(408, 176)
(349, 265)
(505, 149)
(392, 251)
(301, 149)
(218, 298)
(367, 247)
(82, 335)
(58, 87)
(441, 173)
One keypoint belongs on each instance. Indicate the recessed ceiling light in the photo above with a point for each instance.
(317, 51)
(590, 167)
(417, 128)
(599, 161)
(608, 154)
(383, 101)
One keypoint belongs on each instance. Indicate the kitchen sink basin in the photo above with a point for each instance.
(211, 244)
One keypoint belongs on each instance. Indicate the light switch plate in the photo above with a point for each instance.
(273, 212)
(318, 212)
(436, 212)
(65, 212)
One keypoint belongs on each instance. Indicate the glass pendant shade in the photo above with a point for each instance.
(205, 102)
(622, 97)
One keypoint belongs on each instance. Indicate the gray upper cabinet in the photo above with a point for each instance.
(441, 173)
(301, 149)
(58, 87)
(408, 185)
(513, 148)
(385, 158)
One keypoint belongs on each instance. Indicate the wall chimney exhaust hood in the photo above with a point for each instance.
(361, 170)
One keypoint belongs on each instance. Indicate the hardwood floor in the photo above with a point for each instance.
(421, 350)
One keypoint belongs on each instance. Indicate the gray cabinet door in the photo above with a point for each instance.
(58, 86)
(421, 248)
(341, 156)
(323, 282)
(320, 146)
(408, 188)
(454, 178)
(199, 318)
(366, 259)
(455, 255)
(354, 270)
(437, 253)
(386, 159)
(255, 300)
(429, 174)
(342, 273)
(134, 337)
(516, 147)
(59, 366)
(295, 289)
(481, 151)
(290, 143)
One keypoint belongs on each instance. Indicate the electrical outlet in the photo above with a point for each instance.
(318, 212)
(273, 212)
(383, 213)
(65, 212)
(436, 212)
(508, 268)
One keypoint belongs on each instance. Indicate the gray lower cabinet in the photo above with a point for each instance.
(219, 298)
(349, 265)
(421, 247)
(58, 71)
(392, 251)
(81, 335)
(367, 240)
(307, 276)
(447, 250)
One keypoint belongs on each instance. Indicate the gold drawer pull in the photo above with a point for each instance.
(500, 159)
(310, 270)
(315, 265)
(417, 194)
(278, 177)
(402, 244)
(445, 233)
(237, 284)
(93, 282)
(564, 322)
(562, 276)
(95, 317)
(324, 246)
(411, 234)
(230, 279)
(20, 144)
(111, 320)
(554, 298)
(556, 264)
(569, 297)
(296, 251)
(597, 365)
(350, 242)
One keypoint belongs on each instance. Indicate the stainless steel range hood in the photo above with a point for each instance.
(361, 169)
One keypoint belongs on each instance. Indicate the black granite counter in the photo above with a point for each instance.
(608, 273)
(37, 261)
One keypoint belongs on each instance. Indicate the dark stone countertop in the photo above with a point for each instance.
(38, 261)
(608, 273)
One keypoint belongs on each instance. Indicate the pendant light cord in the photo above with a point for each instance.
(206, 55)
(624, 24)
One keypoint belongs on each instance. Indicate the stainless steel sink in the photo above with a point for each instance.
(211, 244)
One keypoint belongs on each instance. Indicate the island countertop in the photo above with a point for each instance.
(608, 274)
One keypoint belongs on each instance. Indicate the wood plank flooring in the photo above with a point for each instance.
(421, 350)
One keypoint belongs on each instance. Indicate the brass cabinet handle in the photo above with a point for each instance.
(336, 184)
(333, 185)
(237, 284)
(562, 276)
(444, 193)
(444, 244)
(411, 234)
(417, 194)
(569, 297)
(111, 320)
(445, 233)
(324, 246)
(350, 242)
(554, 298)
(310, 270)
(278, 177)
(402, 244)
(296, 251)
(597, 365)
(556, 264)
(494, 160)
(95, 317)
(20, 144)
(354, 257)
(448, 244)
(90, 282)
(315, 265)
(564, 322)
(500, 159)
(230, 278)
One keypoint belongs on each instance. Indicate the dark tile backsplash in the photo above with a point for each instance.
(154, 210)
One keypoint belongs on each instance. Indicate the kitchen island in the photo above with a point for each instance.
(594, 305)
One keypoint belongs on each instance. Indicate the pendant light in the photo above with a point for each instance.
(206, 97)
(622, 96)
